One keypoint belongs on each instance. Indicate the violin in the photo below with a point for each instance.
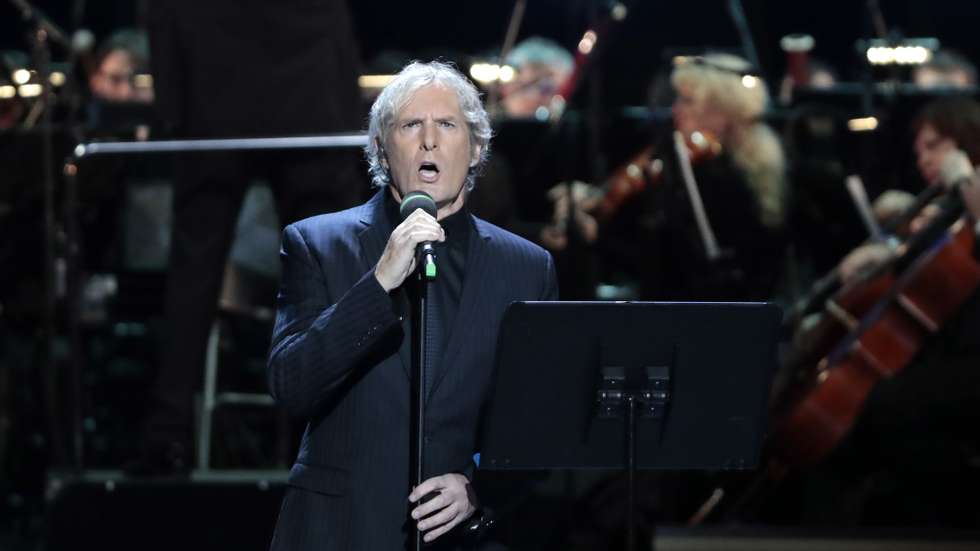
(645, 169)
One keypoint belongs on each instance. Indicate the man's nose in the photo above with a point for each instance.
(429, 140)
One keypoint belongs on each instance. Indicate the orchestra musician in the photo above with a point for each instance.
(911, 456)
(656, 237)
(218, 72)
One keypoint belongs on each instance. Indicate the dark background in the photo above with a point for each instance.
(632, 51)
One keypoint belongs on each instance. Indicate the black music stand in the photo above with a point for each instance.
(635, 385)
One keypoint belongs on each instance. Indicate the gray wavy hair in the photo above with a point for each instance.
(399, 92)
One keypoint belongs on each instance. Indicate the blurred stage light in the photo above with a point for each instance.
(587, 43)
(863, 124)
(905, 52)
(22, 76)
(486, 73)
(374, 81)
(7, 91)
(57, 78)
(29, 90)
(619, 11)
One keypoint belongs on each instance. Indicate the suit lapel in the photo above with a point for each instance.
(474, 289)
(373, 238)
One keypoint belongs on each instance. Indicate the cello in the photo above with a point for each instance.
(869, 330)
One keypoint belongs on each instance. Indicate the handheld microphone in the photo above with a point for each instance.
(421, 200)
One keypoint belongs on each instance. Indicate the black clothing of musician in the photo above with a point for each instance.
(912, 457)
(656, 237)
(219, 71)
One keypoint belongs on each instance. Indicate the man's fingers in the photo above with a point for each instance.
(419, 230)
(438, 517)
(425, 509)
(426, 487)
(441, 529)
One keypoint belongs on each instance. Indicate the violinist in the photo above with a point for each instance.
(657, 236)
(541, 66)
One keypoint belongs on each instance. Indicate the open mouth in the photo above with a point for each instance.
(429, 172)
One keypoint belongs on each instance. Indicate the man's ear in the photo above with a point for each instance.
(476, 156)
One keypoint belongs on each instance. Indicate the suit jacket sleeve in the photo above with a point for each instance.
(319, 338)
(550, 291)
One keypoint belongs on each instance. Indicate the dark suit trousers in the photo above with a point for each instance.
(208, 194)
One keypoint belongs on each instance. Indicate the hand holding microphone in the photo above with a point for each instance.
(418, 227)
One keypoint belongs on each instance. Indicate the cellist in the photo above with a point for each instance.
(912, 455)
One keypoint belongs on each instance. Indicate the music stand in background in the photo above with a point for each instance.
(634, 385)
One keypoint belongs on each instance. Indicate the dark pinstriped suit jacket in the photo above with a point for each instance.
(341, 359)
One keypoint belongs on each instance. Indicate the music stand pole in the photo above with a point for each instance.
(631, 472)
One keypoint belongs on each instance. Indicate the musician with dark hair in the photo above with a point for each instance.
(119, 58)
(911, 456)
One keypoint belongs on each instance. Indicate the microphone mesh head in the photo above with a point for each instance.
(417, 200)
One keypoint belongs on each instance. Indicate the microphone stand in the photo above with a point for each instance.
(420, 352)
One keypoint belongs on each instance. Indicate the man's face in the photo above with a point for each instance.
(533, 87)
(113, 80)
(930, 150)
(429, 148)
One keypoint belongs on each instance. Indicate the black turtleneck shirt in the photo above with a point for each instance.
(451, 254)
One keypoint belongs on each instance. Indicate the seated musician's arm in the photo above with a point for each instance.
(971, 200)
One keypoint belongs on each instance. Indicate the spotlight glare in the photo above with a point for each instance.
(587, 43)
(863, 124)
(619, 11)
(22, 76)
(484, 72)
(374, 81)
(29, 90)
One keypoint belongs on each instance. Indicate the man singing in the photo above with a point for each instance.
(341, 348)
